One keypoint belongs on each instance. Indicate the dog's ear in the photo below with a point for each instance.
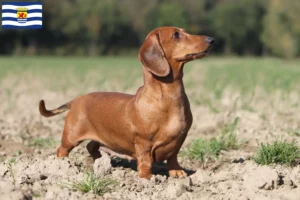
(153, 57)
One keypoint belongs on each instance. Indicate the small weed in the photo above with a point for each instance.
(36, 195)
(206, 150)
(228, 135)
(279, 152)
(18, 153)
(11, 162)
(203, 150)
(91, 183)
(43, 142)
(295, 132)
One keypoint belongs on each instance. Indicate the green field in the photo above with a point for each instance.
(242, 74)
(206, 80)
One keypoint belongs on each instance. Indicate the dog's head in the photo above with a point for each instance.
(168, 45)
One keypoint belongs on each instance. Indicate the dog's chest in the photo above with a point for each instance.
(176, 116)
(178, 122)
(171, 134)
(166, 118)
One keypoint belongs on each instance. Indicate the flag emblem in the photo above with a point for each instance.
(25, 15)
(22, 14)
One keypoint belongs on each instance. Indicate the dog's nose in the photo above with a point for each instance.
(210, 40)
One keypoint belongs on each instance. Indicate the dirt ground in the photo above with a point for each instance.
(36, 173)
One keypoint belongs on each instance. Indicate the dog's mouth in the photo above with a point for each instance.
(203, 53)
(193, 56)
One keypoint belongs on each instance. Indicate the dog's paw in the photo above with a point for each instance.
(177, 173)
(145, 175)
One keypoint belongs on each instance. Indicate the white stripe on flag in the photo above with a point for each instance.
(13, 7)
(13, 23)
(14, 15)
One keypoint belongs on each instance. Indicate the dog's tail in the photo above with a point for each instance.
(50, 113)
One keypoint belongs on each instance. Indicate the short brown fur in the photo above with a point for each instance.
(149, 126)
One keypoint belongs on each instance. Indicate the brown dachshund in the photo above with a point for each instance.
(149, 126)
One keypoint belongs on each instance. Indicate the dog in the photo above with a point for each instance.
(149, 126)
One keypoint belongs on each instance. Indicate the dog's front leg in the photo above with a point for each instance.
(144, 160)
(174, 168)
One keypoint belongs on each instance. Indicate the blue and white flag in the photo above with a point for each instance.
(25, 15)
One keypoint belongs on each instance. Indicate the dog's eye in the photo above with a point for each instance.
(176, 35)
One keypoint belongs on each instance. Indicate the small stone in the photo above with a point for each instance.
(186, 181)
(177, 186)
(292, 184)
(175, 190)
(43, 177)
(158, 179)
(161, 179)
(118, 173)
(200, 177)
(240, 160)
(102, 166)
(261, 178)
(122, 184)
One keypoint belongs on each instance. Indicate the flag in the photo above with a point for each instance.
(25, 15)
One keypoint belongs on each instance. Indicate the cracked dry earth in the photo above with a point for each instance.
(38, 174)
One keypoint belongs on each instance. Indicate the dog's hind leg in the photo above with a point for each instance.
(93, 149)
(66, 145)
(72, 136)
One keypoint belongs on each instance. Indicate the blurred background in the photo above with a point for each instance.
(118, 27)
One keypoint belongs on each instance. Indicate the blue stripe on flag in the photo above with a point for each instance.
(21, 3)
(28, 11)
(16, 19)
(21, 27)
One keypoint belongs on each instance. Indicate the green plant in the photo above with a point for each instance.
(43, 142)
(205, 150)
(36, 195)
(278, 152)
(228, 135)
(91, 183)
(11, 162)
